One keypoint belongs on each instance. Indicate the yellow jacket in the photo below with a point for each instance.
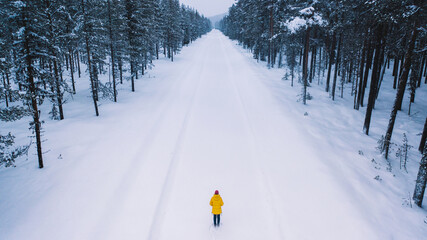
(216, 203)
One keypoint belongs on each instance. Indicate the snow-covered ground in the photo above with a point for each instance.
(214, 119)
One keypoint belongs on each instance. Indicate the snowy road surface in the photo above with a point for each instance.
(147, 168)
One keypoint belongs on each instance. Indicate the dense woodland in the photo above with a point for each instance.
(44, 43)
(353, 41)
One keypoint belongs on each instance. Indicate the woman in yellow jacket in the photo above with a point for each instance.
(216, 203)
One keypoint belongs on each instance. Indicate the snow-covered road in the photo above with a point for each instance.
(147, 168)
(235, 137)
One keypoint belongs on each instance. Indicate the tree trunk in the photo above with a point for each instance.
(121, 69)
(350, 74)
(395, 70)
(400, 89)
(143, 66)
(66, 62)
(36, 119)
(72, 71)
(423, 137)
(131, 41)
(368, 64)
(292, 76)
(58, 90)
(132, 76)
(110, 23)
(331, 59)
(8, 84)
(420, 185)
(6, 88)
(95, 76)
(374, 79)
(425, 73)
(305, 65)
(312, 64)
(270, 44)
(51, 84)
(33, 91)
(92, 83)
(343, 80)
(157, 50)
(320, 64)
(421, 71)
(60, 71)
(414, 78)
(401, 68)
(334, 83)
(78, 63)
(136, 71)
(356, 93)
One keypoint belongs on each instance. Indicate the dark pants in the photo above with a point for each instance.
(216, 220)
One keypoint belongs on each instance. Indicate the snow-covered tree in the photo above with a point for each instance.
(29, 46)
(403, 78)
(420, 185)
(8, 153)
(306, 18)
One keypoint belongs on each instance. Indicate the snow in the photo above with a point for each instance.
(309, 18)
(317, 19)
(298, 23)
(295, 24)
(410, 10)
(20, 32)
(19, 4)
(308, 11)
(213, 119)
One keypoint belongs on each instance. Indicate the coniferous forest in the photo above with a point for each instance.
(352, 41)
(43, 44)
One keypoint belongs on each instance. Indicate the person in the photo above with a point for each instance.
(216, 203)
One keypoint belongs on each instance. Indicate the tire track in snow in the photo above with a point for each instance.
(340, 177)
(255, 145)
(159, 214)
(321, 168)
(127, 182)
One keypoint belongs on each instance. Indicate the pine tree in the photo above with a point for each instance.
(87, 33)
(6, 48)
(172, 33)
(423, 137)
(51, 10)
(401, 87)
(8, 152)
(112, 50)
(421, 181)
(132, 37)
(28, 47)
(379, 33)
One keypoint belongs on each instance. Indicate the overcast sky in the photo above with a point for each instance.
(209, 8)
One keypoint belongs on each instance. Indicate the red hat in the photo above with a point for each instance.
(216, 192)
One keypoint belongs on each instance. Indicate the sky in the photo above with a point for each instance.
(209, 8)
